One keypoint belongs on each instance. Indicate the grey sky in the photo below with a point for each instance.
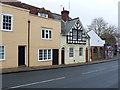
(87, 10)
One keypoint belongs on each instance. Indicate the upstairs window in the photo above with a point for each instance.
(7, 22)
(74, 34)
(46, 34)
(80, 34)
(2, 52)
(43, 15)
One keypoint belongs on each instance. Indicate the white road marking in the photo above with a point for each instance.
(37, 82)
(115, 66)
(93, 71)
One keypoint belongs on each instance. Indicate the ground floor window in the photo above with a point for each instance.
(80, 51)
(2, 52)
(71, 52)
(45, 54)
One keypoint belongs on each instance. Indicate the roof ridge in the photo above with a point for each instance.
(74, 19)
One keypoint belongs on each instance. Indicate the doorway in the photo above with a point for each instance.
(63, 56)
(86, 55)
(21, 55)
(55, 57)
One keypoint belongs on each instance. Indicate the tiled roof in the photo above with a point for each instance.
(33, 9)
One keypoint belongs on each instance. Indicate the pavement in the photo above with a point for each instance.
(38, 68)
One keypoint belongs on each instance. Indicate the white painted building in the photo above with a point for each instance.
(95, 40)
(97, 46)
(74, 40)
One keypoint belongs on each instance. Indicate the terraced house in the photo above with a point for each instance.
(74, 39)
(30, 36)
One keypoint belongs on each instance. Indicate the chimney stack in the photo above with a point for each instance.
(65, 15)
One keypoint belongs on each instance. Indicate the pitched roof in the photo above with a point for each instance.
(95, 40)
(56, 16)
(67, 26)
(33, 10)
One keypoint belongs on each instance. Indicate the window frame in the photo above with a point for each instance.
(71, 53)
(49, 30)
(74, 34)
(11, 22)
(80, 51)
(3, 52)
(80, 35)
(43, 15)
(43, 55)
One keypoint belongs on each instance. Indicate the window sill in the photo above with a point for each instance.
(2, 59)
(6, 30)
(71, 57)
(46, 39)
(44, 60)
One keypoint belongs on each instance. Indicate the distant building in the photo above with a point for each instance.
(97, 46)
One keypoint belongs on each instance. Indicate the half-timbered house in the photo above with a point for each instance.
(74, 40)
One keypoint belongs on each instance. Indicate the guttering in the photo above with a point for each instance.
(28, 43)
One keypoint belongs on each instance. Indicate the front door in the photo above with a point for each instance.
(62, 56)
(86, 55)
(21, 55)
(55, 56)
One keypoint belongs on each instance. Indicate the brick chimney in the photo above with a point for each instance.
(65, 15)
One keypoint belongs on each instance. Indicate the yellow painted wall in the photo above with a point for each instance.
(11, 40)
(19, 36)
(37, 24)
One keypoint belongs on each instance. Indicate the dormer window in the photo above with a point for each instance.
(43, 15)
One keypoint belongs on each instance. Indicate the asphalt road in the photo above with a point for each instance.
(102, 75)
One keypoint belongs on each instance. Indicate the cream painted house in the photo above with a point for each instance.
(75, 46)
(29, 36)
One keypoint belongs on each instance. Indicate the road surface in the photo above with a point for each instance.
(102, 75)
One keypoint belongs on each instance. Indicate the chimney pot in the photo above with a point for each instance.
(65, 15)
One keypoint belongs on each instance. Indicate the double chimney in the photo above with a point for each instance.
(65, 15)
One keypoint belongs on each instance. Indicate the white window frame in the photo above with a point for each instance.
(11, 22)
(43, 15)
(72, 52)
(3, 52)
(43, 55)
(46, 33)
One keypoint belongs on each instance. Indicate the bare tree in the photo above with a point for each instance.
(98, 25)
(105, 31)
(111, 30)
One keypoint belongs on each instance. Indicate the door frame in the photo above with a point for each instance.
(25, 54)
(62, 58)
(55, 60)
(86, 57)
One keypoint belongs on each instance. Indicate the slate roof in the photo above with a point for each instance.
(56, 16)
(67, 26)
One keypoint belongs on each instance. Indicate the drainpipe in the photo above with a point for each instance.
(28, 43)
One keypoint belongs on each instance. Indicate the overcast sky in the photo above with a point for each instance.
(87, 10)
